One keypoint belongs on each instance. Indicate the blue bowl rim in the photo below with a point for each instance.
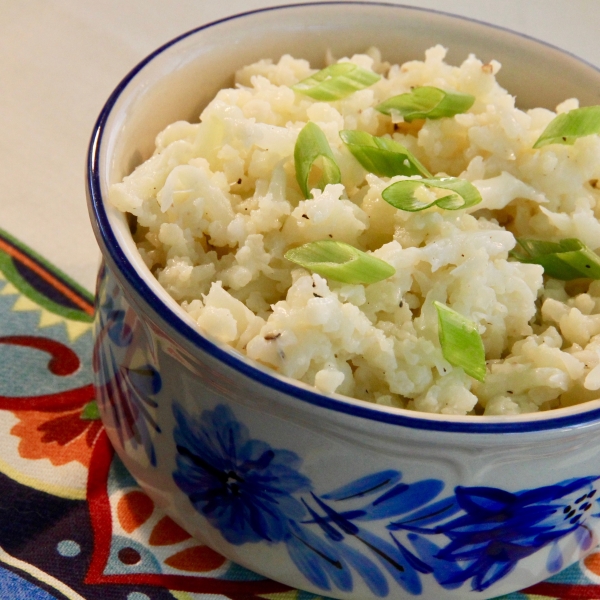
(106, 237)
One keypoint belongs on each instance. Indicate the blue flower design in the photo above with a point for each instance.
(496, 529)
(335, 557)
(251, 493)
(246, 490)
(242, 486)
(124, 392)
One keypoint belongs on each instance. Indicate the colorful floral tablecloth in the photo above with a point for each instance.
(73, 523)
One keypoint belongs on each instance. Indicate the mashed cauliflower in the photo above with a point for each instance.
(218, 205)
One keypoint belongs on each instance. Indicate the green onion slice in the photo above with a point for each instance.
(427, 103)
(382, 156)
(336, 82)
(565, 260)
(461, 343)
(311, 145)
(570, 126)
(401, 194)
(340, 261)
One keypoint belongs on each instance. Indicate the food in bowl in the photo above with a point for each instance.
(469, 318)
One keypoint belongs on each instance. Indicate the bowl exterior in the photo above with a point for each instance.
(337, 505)
(318, 492)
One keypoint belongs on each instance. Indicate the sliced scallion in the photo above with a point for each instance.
(568, 127)
(401, 194)
(382, 156)
(336, 82)
(310, 146)
(427, 103)
(461, 343)
(565, 260)
(340, 261)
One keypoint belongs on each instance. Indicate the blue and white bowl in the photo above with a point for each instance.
(323, 492)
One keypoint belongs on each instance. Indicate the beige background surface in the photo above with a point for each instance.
(60, 59)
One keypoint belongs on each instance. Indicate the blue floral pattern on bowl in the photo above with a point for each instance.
(254, 493)
(127, 379)
(234, 480)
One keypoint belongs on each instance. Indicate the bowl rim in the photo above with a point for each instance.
(564, 418)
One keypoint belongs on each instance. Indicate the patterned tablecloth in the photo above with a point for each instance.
(73, 523)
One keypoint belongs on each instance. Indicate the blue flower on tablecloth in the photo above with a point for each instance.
(496, 529)
(242, 486)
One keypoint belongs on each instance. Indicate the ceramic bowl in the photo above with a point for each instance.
(322, 492)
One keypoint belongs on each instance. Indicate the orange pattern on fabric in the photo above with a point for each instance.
(133, 510)
(167, 532)
(61, 437)
(197, 558)
(592, 562)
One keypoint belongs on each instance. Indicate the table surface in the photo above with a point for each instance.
(59, 61)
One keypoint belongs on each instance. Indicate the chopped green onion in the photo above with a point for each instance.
(570, 126)
(565, 260)
(311, 145)
(336, 82)
(401, 194)
(461, 343)
(340, 261)
(382, 156)
(427, 103)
